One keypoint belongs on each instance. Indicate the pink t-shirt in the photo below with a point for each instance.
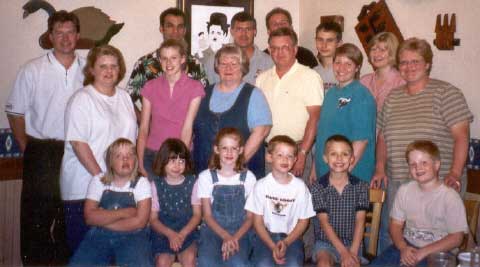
(195, 200)
(393, 81)
(169, 112)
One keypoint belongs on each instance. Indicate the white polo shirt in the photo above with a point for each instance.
(41, 92)
(98, 120)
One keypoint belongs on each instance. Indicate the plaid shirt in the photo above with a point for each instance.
(341, 208)
(148, 68)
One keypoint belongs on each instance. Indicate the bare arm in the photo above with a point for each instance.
(330, 233)
(187, 128)
(261, 231)
(358, 149)
(460, 134)
(407, 253)
(194, 221)
(136, 222)
(210, 221)
(96, 216)
(143, 133)
(358, 232)
(308, 138)
(381, 157)
(17, 124)
(255, 140)
(445, 244)
(85, 156)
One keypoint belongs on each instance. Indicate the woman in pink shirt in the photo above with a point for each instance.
(169, 105)
(382, 55)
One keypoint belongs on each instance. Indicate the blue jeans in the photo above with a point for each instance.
(262, 255)
(391, 257)
(102, 247)
(75, 225)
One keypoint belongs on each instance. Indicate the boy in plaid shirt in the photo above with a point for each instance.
(340, 201)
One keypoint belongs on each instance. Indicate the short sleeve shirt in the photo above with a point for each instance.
(289, 97)
(341, 208)
(205, 183)
(392, 80)
(168, 112)
(195, 200)
(427, 115)
(428, 216)
(141, 190)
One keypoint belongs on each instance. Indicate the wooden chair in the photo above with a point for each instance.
(472, 204)
(377, 197)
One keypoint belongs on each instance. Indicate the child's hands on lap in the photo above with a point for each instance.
(408, 256)
(349, 259)
(280, 251)
(176, 241)
(230, 246)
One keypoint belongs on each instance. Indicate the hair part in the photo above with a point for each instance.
(390, 40)
(107, 178)
(172, 148)
(338, 138)
(63, 16)
(243, 17)
(234, 133)
(288, 32)
(330, 26)
(352, 52)
(173, 11)
(420, 46)
(94, 54)
(425, 146)
(278, 10)
(282, 139)
(180, 45)
(232, 50)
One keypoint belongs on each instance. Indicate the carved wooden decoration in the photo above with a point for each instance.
(375, 18)
(335, 18)
(96, 27)
(444, 33)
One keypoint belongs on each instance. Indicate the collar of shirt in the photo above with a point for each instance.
(325, 181)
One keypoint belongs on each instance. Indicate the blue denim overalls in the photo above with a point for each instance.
(207, 124)
(175, 212)
(228, 211)
(102, 247)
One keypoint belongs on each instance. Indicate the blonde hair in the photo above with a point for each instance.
(420, 46)
(94, 54)
(109, 157)
(390, 40)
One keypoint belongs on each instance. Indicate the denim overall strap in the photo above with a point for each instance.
(228, 204)
(112, 200)
(207, 124)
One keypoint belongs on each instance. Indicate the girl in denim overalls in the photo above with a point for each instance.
(223, 188)
(176, 213)
(117, 207)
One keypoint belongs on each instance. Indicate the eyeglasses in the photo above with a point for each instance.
(283, 48)
(415, 62)
(232, 65)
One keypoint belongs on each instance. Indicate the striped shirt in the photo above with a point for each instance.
(427, 115)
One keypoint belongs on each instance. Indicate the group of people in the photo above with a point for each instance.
(227, 161)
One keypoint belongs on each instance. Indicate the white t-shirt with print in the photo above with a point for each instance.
(205, 183)
(98, 120)
(141, 191)
(281, 205)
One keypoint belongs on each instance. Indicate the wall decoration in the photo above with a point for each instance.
(335, 18)
(444, 39)
(208, 23)
(96, 27)
(375, 18)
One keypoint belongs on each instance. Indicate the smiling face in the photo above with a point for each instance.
(423, 168)
(171, 61)
(175, 167)
(228, 150)
(412, 66)
(243, 33)
(229, 69)
(344, 69)
(282, 158)
(379, 55)
(105, 71)
(123, 162)
(64, 37)
(338, 156)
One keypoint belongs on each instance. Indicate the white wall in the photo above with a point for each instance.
(416, 18)
(19, 37)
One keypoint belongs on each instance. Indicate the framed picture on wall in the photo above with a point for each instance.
(208, 23)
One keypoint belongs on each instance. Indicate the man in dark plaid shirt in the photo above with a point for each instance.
(340, 201)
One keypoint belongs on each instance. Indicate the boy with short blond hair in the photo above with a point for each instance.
(340, 201)
(282, 205)
(427, 216)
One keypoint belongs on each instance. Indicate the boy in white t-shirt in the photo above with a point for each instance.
(282, 205)
(427, 216)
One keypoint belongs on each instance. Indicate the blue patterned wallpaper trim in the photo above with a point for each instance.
(473, 160)
(8, 147)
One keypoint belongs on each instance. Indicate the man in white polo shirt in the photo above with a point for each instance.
(35, 111)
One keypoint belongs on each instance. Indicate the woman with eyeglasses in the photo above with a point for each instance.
(232, 103)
